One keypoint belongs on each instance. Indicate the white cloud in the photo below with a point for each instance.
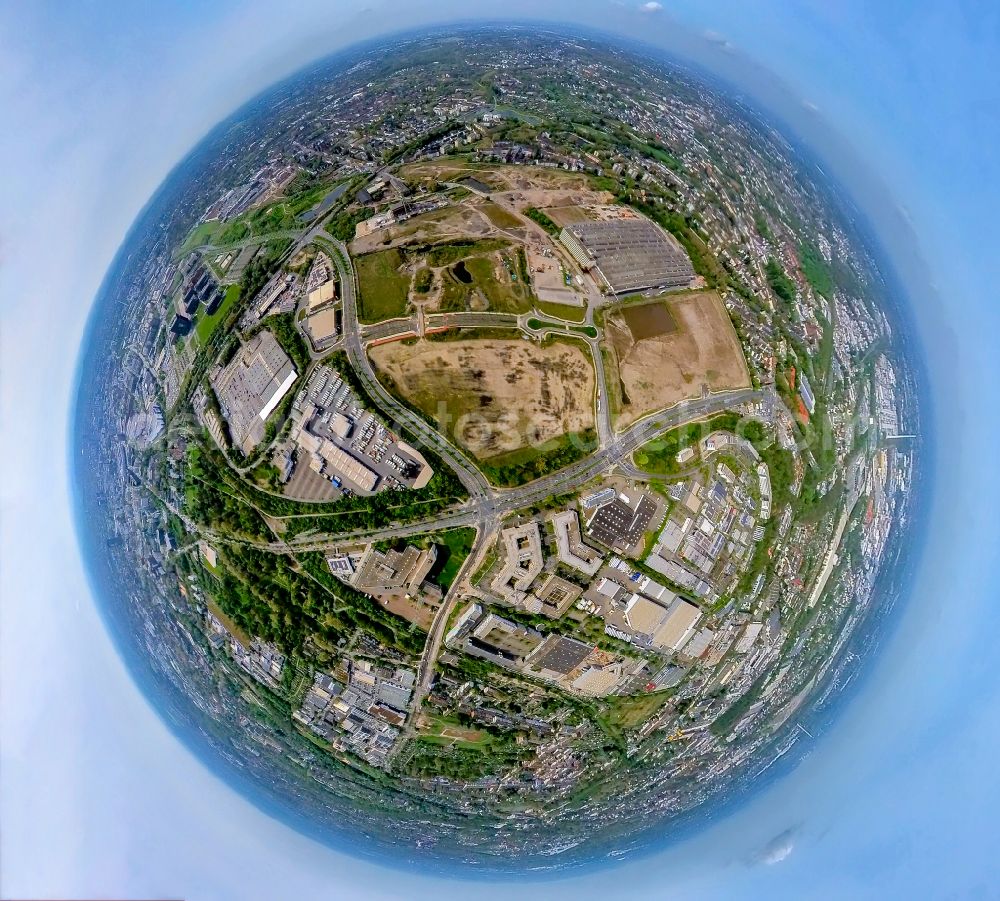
(777, 849)
(651, 7)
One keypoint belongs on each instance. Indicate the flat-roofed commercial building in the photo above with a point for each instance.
(524, 561)
(329, 459)
(599, 681)
(392, 569)
(559, 655)
(503, 638)
(251, 387)
(667, 627)
(620, 524)
(630, 255)
(324, 293)
(557, 596)
(322, 326)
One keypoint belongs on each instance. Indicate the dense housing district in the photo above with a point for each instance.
(519, 436)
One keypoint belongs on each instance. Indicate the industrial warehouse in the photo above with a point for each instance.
(630, 255)
(252, 386)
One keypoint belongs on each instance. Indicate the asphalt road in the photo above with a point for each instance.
(401, 328)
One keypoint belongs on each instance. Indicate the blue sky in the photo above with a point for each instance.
(100, 100)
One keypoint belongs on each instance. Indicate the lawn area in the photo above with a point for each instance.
(453, 546)
(383, 287)
(587, 330)
(207, 323)
(471, 268)
(504, 294)
(448, 730)
(453, 251)
(203, 233)
(562, 311)
(631, 712)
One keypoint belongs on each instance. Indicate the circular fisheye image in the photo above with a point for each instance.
(498, 447)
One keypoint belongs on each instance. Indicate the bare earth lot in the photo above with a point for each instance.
(464, 221)
(494, 396)
(566, 215)
(669, 354)
(518, 187)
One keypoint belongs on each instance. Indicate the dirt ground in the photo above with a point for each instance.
(566, 215)
(448, 223)
(518, 187)
(548, 280)
(494, 396)
(662, 366)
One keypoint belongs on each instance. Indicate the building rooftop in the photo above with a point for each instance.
(557, 595)
(630, 254)
(570, 545)
(560, 654)
(620, 526)
(394, 569)
(251, 386)
(322, 325)
(666, 627)
(523, 563)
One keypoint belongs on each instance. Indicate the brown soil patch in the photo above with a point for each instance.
(412, 611)
(494, 396)
(567, 215)
(659, 367)
(649, 320)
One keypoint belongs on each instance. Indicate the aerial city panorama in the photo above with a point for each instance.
(497, 447)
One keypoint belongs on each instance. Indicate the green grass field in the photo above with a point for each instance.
(562, 311)
(504, 294)
(588, 330)
(204, 233)
(458, 543)
(207, 324)
(383, 288)
(453, 251)
(630, 712)
(492, 275)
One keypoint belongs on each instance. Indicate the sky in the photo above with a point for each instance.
(99, 100)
